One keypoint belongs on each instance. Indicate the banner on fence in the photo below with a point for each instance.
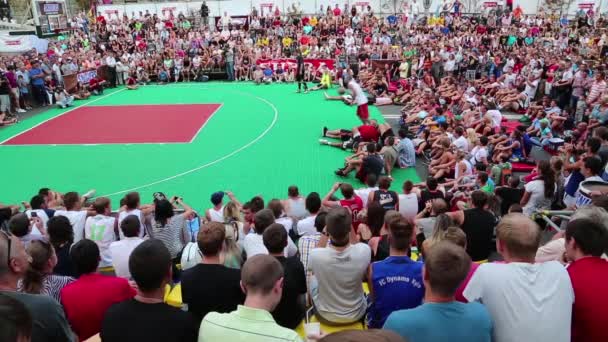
(289, 62)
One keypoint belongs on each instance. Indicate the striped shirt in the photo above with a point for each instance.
(51, 285)
(175, 234)
(597, 88)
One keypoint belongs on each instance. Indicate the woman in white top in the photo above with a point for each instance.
(540, 192)
(408, 202)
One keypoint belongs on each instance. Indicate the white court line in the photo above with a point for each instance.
(206, 121)
(56, 116)
(274, 120)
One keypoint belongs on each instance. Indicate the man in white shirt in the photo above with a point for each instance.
(527, 301)
(121, 250)
(338, 270)
(100, 229)
(73, 211)
(306, 226)
(370, 181)
(460, 142)
(111, 63)
(360, 99)
(254, 242)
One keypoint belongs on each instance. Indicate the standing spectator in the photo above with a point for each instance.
(86, 300)
(216, 214)
(478, 223)
(146, 317)
(586, 241)
(205, 13)
(388, 296)
(338, 269)
(290, 310)
(11, 76)
(49, 322)
(262, 280)
(211, 286)
(441, 318)
(37, 76)
(539, 295)
(121, 250)
(111, 64)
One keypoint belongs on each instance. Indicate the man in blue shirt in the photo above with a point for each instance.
(37, 78)
(441, 318)
(406, 149)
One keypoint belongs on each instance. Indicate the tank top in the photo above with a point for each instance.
(124, 214)
(397, 284)
(296, 208)
(479, 225)
(354, 205)
(100, 229)
(408, 205)
(216, 215)
(386, 198)
(467, 172)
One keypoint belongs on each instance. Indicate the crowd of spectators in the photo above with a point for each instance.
(461, 256)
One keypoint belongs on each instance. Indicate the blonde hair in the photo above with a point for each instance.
(231, 212)
(472, 137)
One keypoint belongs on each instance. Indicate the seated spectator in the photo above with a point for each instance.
(279, 215)
(509, 195)
(309, 242)
(431, 192)
(441, 318)
(290, 310)
(74, 212)
(306, 226)
(211, 286)
(540, 295)
(478, 224)
(363, 336)
(338, 269)
(540, 192)
(295, 205)
(169, 228)
(15, 320)
(388, 199)
(63, 98)
(432, 208)
(100, 229)
(26, 229)
(38, 277)
(586, 241)
(61, 237)
(47, 316)
(262, 281)
(96, 85)
(146, 317)
(86, 300)
(121, 250)
(407, 290)
(132, 206)
(408, 201)
(371, 186)
(556, 248)
(254, 242)
(350, 201)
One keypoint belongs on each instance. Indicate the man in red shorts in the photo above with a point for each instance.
(359, 99)
(368, 132)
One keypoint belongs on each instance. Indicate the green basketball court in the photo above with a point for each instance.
(259, 140)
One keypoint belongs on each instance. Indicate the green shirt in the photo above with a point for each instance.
(244, 324)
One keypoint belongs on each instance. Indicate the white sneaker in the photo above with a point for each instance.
(324, 141)
(19, 110)
(89, 194)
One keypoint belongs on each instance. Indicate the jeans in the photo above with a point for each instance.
(230, 70)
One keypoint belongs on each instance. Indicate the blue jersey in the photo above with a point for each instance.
(397, 284)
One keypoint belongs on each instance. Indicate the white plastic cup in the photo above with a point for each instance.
(312, 328)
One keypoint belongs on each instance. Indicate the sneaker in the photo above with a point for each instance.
(298, 91)
(325, 131)
(323, 142)
(90, 194)
(19, 110)
(28, 108)
(340, 172)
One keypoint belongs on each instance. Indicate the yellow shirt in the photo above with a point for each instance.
(313, 21)
(287, 41)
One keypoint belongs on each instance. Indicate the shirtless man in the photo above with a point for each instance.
(441, 166)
